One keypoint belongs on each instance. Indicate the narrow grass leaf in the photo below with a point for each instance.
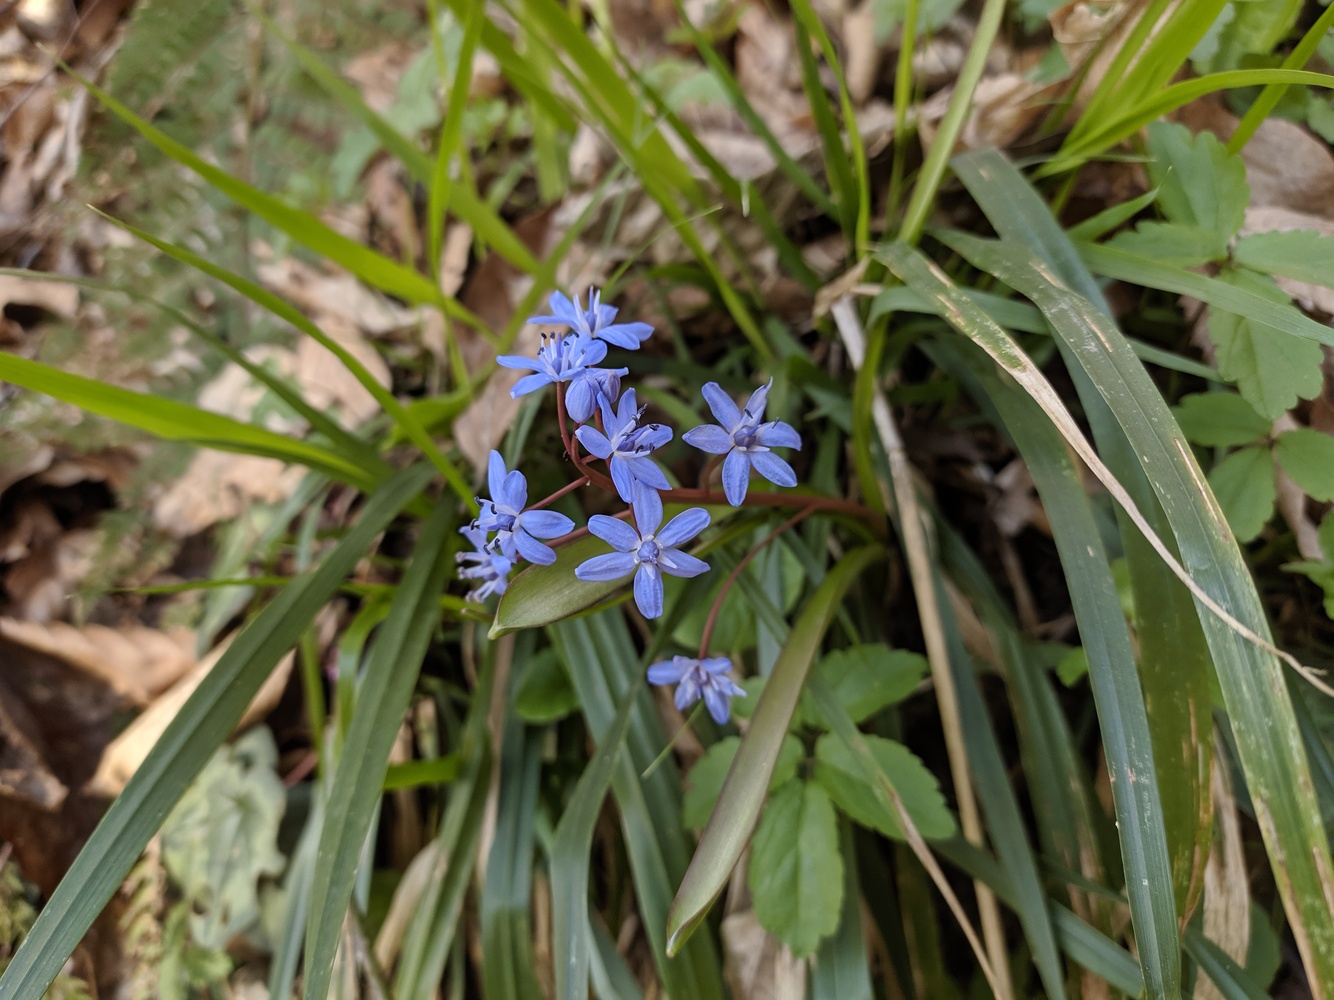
(842, 968)
(355, 788)
(744, 790)
(174, 421)
(199, 728)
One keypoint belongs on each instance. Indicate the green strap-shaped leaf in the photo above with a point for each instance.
(174, 421)
(1251, 676)
(204, 721)
(390, 676)
(739, 803)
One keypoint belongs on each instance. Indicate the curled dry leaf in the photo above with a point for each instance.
(136, 663)
(758, 965)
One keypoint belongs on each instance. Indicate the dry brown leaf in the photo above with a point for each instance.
(24, 774)
(127, 751)
(757, 965)
(1087, 29)
(377, 72)
(218, 486)
(1004, 107)
(1227, 891)
(40, 583)
(136, 662)
(861, 62)
(52, 296)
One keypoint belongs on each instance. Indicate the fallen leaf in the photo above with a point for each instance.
(757, 965)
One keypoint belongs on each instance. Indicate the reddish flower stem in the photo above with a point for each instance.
(787, 525)
(567, 488)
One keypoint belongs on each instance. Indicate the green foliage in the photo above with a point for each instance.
(544, 692)
(1299, 254)
(838, 772)
(1199, 183)
(705, 779)
(1219, 419)
(1244, 485)
(796, 871)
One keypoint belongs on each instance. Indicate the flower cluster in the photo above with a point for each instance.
(610, 427)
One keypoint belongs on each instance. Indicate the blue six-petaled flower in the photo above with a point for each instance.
(568, 358)
(486, 563)
(596, 321)
(647, 552)
(518, 530)
(706, 678)
(745, 441)
(626, 446)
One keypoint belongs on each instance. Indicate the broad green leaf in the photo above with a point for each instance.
(1073, 666)
(1219, 420)
(173, 421)
(1110, 218)
(796, 870)
(1181, 243)
(1326, 535)
(705, 779)
(355, 787)
(747, 782)
(1307, 456)
(841, 969)
(543, 692)
(867, 678)
(543, 595)
(1273, 369)
(1200, 183)
(839, 772)
(203, 722)
(1300, 254)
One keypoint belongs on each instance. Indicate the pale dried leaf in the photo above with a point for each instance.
(1227, 895)
(136, 662)
(218, 486)
(59, 299)
(39, 584)
(757, 965)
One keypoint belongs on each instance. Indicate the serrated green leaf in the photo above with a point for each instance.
(1180, 243)
(543, 692)
(1273, 369)
(707, 776)
(1201, 183)
(1307, 457)
(840, 774)
(1299, 253)
(796, 870)
(1073, 666)
(1244, 485)
(1326, 534)
(866, 679)
(1219, 420)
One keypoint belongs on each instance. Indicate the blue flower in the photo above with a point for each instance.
(745, 441)
(563, 358)
(488, 564)
(518, 530)
(647, 552)
(595, 321)
(694, 679)
(626, 445)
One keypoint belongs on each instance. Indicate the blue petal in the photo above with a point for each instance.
(614, 532)
(604, 569)
(594, 440)
(513, 492)
(653, 437)
(530, 383)
(626, 335)
(684, 526)
(647, 472)
(669, 671)
(581, 398)
(533, 550)
(688, 691)
(681, 564)
(718, 704)
(593, 352)
(622, 478)
(724, 410)
(563, 311)
(519, 361)
(736, 477)
(648, 591)
(648, 510)
(777, 434)
(717, 665)
(759, 399)
(545, 523)
(773, 468)
(495, 475)
(626, 411)
(709, 438)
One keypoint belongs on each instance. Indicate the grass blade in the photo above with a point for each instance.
(354, 790)
(202, 724)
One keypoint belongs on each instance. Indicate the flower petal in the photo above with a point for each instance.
(626, 335)
(709, 438)
(720, 707)
(773, 468)
(648, 591)
(562, 311)
(495, 474)
(581, 398)
(603, 569)
(594, 440)
(759, 399)
(682, 564)
(724, 410)
(530, 383)
(545, 523)
(684, 526)
(615, 532)
(648, 509)
(717, 665)
(669, 671)
(653, 436)
(519, 361)
(688, 691)
(646, 471)
(777, 434)
(513, 492)
(533, 550)
(736, 476)
(622, 477)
